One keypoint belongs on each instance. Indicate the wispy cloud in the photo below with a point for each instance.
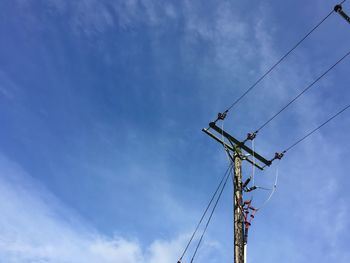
(37, 227)
(227, 54)
(8, 88)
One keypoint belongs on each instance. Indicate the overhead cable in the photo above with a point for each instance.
(211, 214)
(302, 92)
(273, 190)
(205, 212)
(280, 60)
(316, 129)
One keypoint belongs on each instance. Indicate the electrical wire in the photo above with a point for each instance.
(316, 129)
(223, 138)
(253, 169)
(302, 92)
(211, 214)
(263, 188)
(272, 191)
(227, 173)
(206, 210)
(281, 59)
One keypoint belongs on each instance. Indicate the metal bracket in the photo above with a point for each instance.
(236, 143)
(229, 147)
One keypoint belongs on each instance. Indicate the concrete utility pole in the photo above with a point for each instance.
(238, 220)
(235, 149)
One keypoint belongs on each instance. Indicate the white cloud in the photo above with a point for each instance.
(92, 17)
(118, 250)
(227, 35)
(36, 227)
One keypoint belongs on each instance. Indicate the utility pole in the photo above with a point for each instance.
(235, 149)
(237, 198)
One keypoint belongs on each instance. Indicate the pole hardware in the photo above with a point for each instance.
(221, 116)
(238, 143)
(251, 136)
(339, 9)
(232, 149)
(249, 189)
(278, 156)
(243, 213)
(246, 182)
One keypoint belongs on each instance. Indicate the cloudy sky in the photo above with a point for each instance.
(102, 102)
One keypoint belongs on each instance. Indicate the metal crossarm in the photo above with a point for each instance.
(231, 148)
(237, 143)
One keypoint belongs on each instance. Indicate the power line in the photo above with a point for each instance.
(238, 226)
(302, 92)
(206, 210)
(211, 214)
(314, 130)
(280, 60)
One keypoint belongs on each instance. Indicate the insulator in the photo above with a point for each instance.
(249, 189)
(246, 182)
(338, 8)
(279, 156)
(251, 136)
(222, 116)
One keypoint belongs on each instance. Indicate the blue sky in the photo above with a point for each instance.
(102, 158)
